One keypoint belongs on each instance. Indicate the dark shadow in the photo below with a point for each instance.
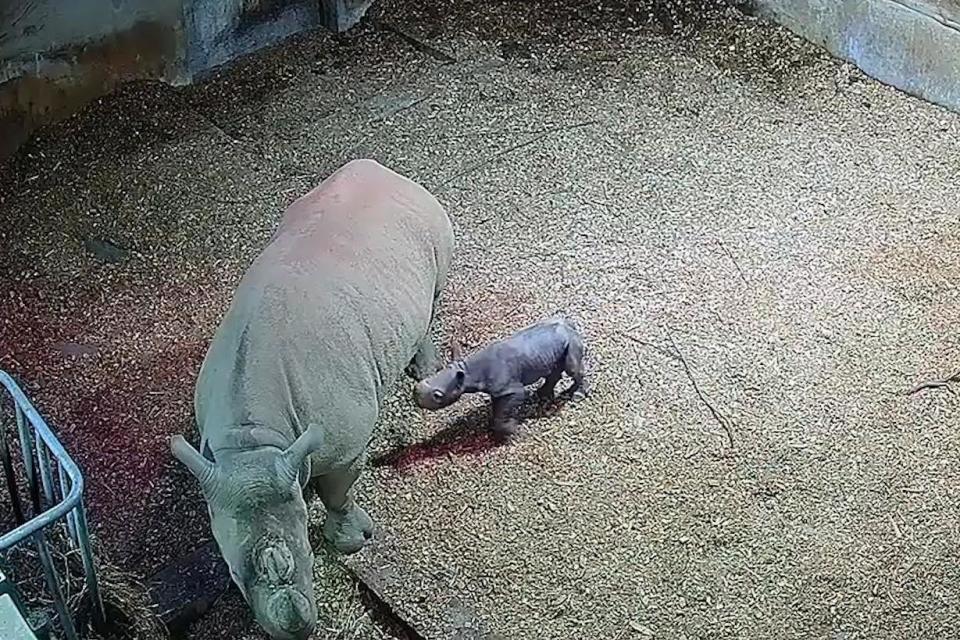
(185, 589)
(467, 436)
(228, 617)
(384, 617)
(174, 523)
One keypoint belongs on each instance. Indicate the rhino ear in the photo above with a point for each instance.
(201, 468)
(308, 442)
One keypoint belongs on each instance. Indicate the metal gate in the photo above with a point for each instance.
(54, 488)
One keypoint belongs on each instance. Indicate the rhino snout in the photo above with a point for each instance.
(290, 615)
(428, 396)
(424, 396)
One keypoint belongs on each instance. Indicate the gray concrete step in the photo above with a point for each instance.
(12, 624)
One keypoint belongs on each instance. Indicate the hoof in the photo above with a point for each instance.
(546, 397)
(504, 430)
(579, 392)
(425, 362)
(550, 408)
(348, 532)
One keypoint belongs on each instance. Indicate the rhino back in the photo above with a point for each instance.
(328, 315)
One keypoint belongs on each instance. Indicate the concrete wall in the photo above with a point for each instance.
(913, 45)
(219, 31)
(57, 55)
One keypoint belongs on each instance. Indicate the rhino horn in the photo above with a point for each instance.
(294, 455)
(201, 468)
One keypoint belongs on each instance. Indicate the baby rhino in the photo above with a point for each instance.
(545, 350)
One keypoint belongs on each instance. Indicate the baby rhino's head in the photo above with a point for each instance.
(442, 388)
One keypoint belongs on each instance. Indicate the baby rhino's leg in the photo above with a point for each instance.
(547, 390)
(573, 365)
(505, 408)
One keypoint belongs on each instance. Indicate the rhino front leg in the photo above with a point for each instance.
(505, 409)
(347, 527)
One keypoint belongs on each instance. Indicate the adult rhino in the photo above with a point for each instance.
(337, 305)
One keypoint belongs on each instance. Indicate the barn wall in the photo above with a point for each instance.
(913, 45)
(58, 55)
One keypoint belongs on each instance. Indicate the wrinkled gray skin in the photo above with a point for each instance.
(338, 304)
(547, 350)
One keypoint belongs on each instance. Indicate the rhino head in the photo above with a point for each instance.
(259, 520)
(441, 389)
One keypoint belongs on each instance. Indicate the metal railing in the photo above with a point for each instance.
(55, 488)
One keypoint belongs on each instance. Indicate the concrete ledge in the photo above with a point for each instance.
(913, 45)
(381, 571)
(12, 624)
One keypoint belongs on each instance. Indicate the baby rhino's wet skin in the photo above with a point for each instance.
(545, 350)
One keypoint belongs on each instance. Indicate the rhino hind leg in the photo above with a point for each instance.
(573, 365)
(547, 390)
(347, 527)
(426, 361)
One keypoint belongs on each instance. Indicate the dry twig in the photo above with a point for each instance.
(736, 264)
(943, 383)
(655, 347)
(417, 43)
(721, 419)
(400, 109)
(519, 145)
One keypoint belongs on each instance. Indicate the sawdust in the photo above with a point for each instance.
(794, 224)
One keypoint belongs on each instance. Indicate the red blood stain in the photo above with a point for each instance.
(115, 397)
(455, 443)
(126, 420)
